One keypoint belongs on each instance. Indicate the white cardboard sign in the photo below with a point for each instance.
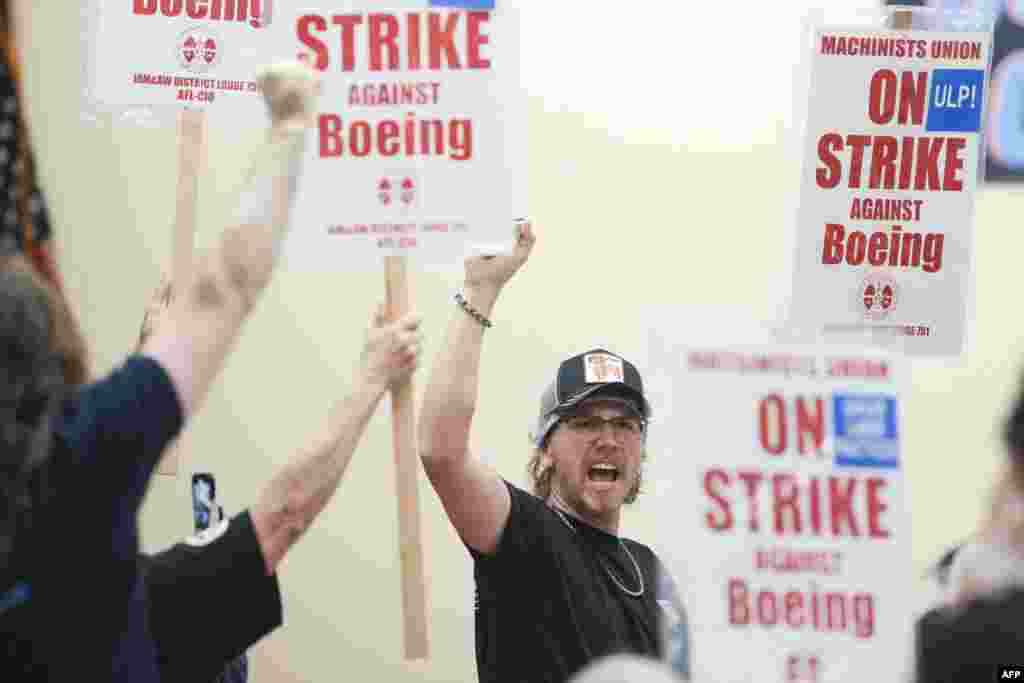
(200, 54)
(890, 166)
(419, 147)
(780, 482)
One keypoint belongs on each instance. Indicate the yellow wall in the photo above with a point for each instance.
(626, 215)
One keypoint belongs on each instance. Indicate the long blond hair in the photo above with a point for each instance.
(540, 476)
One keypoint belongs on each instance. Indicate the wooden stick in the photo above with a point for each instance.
(191, 150)
(407, 469)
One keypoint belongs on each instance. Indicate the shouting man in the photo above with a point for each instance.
(557, 587)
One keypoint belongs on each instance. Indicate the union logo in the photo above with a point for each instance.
(878, 295)
(199, 49)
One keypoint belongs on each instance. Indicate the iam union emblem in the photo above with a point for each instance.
(199, 49)
(878, 296)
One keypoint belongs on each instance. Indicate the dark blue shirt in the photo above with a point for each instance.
(86, 617)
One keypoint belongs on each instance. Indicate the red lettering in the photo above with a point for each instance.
(476, 39)
(359, 137)
(348, 23)
(810, 424)
(794, 610)
(857, 143)
(772, 412)
(413, 39)
(912, 97)
(954, 163)
(832, 249)
(216, 10)
(800, 610)
(383, 33)
(443, 39)
(814, 494)
(767, 611)
(386, 133)
(752, 481)
(856, 245)
(786, 494)
(304, 27)
(908, 249)
(883, 160)
(330, 135)
(842, 506)
(197, 9)
(875, 508)
(882, 97)
(739, 607)
(829, 176)
(928, 149)
(876, 248)
(712, 479)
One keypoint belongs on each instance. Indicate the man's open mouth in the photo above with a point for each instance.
(603, 472)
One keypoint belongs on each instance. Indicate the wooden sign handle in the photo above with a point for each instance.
(191, 150)
(407, 469)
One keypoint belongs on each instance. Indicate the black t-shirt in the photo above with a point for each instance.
(209, 600)
(85, 617)
(965, 646)
(547, 602)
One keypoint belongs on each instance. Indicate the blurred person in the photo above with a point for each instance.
(216, 594)
(554, 579)
(625, 669)
(76, 457)
(978, 625)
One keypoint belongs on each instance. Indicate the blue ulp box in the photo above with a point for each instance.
(866, 432)
(955, 101)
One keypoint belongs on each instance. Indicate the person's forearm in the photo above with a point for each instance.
(451, 392)
(204, 321)
(297, 494)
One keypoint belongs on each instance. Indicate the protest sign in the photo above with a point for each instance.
(146, 59)
(202, 54)
(419, 145)
(780, 482)
(891, 153)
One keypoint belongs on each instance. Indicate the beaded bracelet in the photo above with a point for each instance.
(475, 314)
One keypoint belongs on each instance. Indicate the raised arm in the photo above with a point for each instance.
(204, 321)
(297, 494)
(474, 497)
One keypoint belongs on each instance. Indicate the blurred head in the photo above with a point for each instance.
(53, 336)
(43, 355)
(1004, 522)
(590, 436)
(625, 669)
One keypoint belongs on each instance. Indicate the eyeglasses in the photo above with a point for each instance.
(592, 425)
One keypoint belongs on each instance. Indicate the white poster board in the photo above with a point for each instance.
(884, 229)
(780, 480)
(200, 54)
(419, 147)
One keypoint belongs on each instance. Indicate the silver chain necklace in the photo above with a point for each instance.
(609, 572)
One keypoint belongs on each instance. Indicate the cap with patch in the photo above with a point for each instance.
(596, 372)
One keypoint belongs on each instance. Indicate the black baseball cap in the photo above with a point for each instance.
(597, 372)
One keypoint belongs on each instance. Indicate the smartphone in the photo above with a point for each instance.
(205, 510)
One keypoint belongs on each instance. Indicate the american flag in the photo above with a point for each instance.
(24, 223)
